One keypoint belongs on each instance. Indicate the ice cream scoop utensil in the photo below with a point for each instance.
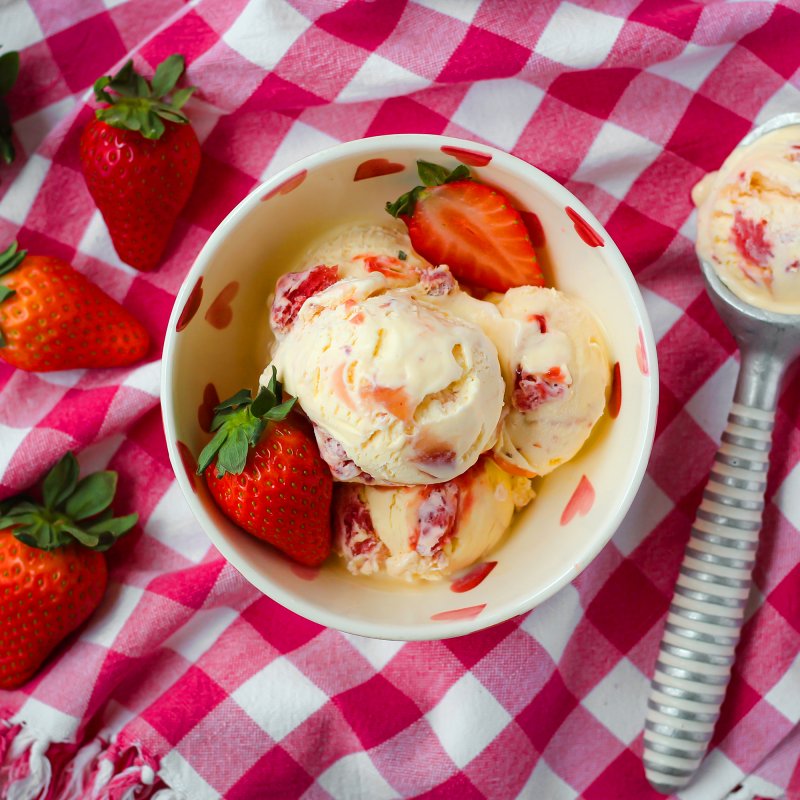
(706, 615)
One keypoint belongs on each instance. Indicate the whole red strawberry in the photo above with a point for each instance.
(140, 158)
(52, 569)
(53, 318)
(469, 226)
(265, 472)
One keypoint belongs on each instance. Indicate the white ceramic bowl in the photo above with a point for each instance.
(218, 334)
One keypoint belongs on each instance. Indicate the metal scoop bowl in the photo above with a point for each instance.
(706, 615)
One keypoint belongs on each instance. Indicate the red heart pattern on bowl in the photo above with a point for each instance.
(615, 396)
(375, 167)
(473, 578)
(220, 314)
(459, 613)
(287, 186)
(191, 306)
(584, 229)
(641, 355)
(581, 501)
(472, 158)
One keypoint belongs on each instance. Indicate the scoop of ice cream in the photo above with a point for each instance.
(748, 221)
(354, 252)
(555, 367)
(358, 250)
(557, 373)
(411, 393)
(426, 532)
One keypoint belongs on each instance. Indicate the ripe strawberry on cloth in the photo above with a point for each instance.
(52, 568)
(53, 318)
(140, 157)
(187, 683)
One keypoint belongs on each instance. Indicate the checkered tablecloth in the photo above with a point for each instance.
(188, 683)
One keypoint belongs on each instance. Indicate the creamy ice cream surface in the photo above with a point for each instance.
(557, 373)
(426, 532)
(402, 390)
(356, 251)
(748, 221)
(359, 250)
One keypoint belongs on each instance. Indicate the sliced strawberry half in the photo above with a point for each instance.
(469, 226)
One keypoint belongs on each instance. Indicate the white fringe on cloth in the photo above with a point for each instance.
(103, 768)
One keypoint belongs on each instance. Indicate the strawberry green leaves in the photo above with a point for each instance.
(72, 509)
(239, 422)
(268, 405)
(60, 482)
(436, 175)
(431, 175)
(166, 75)
(91, 495)
(9, 69)
(115, 526)
(10, 258)
(137, 105)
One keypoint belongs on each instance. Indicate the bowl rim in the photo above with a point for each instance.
(492, 615)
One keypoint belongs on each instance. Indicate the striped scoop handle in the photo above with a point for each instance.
(706, 615)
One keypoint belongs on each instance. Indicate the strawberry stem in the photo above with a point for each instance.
(239, 422)
(72, 509)
(431, 175)
(137, 105)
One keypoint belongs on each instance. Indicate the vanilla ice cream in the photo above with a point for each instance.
(426, 532)
(358, 250)
(748, 221)
(355, 251)
(401, 390)
(557, 374)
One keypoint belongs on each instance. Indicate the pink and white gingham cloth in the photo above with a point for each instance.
(188, 683)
